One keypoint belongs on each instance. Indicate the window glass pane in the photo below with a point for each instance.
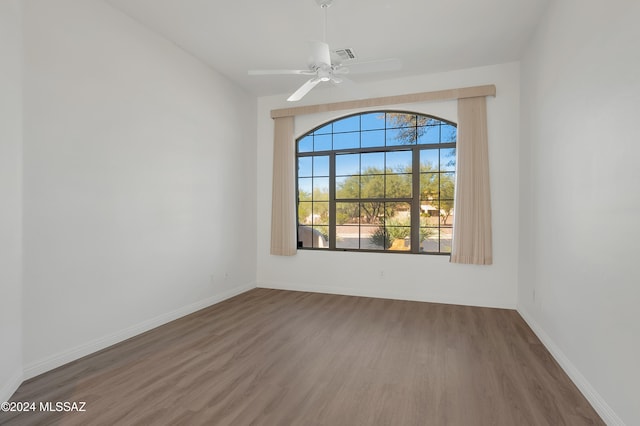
(305, 212)
(372, 121)
(399, 238)
(446, 212)
(399, 161)
(398, 185)
(422, 120)
(372, 138)
(373, 237)
(446, 236)
(449, 221)
(320, 189)
(320, 237)
(429, 186)
(398, 119)
(397, 137)
(447, 186)
(372, 213)
(347, 213)
(323, 130)
(372, 186)
(372, 163)
(322, 143)
(315, 236)
(397, 214)
(304, 166)
(305, 144)
(429, 160)
(448, 159)
(346, 140)
(348, 237)
(428, 134)
(397, 225)
(320, 213)
(305, 189)
(305, 236)
(424, 232)
(321, 166)
(449, 133)
(347, 164)
(347, 187)
(349, 124)
(347, 225)
(431, 242)
(430, 212)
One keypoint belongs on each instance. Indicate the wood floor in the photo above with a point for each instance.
(270, 357)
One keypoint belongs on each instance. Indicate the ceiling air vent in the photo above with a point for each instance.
(346, 54)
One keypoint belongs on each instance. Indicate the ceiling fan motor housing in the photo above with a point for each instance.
(324, 72)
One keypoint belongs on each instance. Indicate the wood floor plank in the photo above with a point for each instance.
(270, 357)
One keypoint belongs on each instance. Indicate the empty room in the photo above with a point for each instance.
(319, 212)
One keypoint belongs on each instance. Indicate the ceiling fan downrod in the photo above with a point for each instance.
(324, 5)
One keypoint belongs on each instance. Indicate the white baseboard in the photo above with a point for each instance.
(88, 348)
(595, 399)
(11, 386)
(347, 291)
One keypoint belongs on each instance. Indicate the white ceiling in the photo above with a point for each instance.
(235, 36)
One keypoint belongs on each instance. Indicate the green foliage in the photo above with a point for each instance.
(381, 238)
(377, 184)
(313, 209)
(371, 185)
(436, 189)
(398, 229)
(304, 209)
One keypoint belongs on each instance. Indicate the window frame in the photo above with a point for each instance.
(415, 199)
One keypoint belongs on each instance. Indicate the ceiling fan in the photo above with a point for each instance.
(322, 68)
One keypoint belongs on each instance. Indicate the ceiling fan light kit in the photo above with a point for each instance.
(321, 66)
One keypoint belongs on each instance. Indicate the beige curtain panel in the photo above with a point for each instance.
(283, 206)
(472, 221)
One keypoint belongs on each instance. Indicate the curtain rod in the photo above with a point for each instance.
(439, 95)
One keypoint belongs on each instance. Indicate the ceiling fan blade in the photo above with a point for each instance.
(375, 66)
(320, 54)
(303, 90)
(281, 72)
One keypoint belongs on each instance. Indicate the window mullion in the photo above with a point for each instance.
(415, 201)
(332, 200)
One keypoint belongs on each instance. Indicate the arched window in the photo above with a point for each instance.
(377, 181)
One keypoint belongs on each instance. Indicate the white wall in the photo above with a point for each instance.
(10, 197)
(412, 277)
(139, 173)
(579, 283)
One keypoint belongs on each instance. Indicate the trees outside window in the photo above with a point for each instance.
(377, 181)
